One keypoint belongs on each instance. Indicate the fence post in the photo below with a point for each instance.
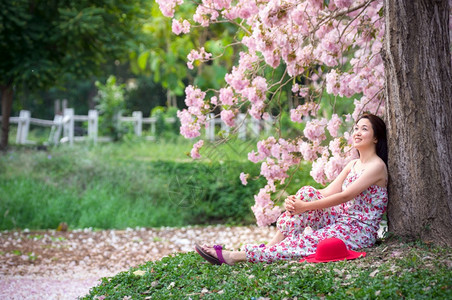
(55, 131)
(93, 121)
(138, 123)
(152, 120)
(268, 125)
(256, 127)
(242, 129)
(23, 127)
(69, 125)
(225, 128)
(210, 130)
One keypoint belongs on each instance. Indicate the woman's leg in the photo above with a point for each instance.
(289, 224)
(291, 240)
(277, 238)
(280, 248)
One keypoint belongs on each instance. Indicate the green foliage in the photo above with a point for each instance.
(126, 185)
(163, 127)
(163, 55)
(110, 97)
(188, 276)
(41, 42)
(46, 43)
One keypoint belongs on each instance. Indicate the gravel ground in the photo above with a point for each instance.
(65, 265)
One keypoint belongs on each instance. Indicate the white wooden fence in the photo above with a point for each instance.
(62, 126)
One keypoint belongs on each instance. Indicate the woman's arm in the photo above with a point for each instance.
(336, 186)
(370, 176)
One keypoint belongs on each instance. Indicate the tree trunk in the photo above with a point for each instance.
(419, 118)
(7, 101)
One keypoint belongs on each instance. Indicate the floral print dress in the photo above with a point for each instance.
(356, 222)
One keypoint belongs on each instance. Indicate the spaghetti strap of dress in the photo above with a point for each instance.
(353, 167)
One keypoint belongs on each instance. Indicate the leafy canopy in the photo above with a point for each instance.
(42, 41)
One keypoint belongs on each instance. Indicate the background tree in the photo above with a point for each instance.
(45, 43)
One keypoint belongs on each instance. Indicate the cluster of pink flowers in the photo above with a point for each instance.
(178, 27)
(244, 178)
(168, 6)
(194, 153)
(194, 116)
(264, 208)
(303, 35)
(333, 125)
(277, 156)
(315, 130)
(304, 110)
(200, 55)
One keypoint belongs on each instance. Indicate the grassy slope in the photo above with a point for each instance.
(392, 270)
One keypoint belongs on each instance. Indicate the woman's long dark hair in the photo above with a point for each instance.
(379, 128)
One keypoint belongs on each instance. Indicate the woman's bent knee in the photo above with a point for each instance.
(308, 193)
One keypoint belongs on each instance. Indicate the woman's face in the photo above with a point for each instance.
(363, 134)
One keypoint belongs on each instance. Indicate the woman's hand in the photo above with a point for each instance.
(295, 206)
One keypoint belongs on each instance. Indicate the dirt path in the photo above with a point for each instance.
(65, 265)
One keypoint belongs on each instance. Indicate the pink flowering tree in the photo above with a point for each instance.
(324, 47)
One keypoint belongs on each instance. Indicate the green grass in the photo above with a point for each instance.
(421, 273)
(129, 184)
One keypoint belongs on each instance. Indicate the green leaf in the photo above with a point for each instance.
(143, 59)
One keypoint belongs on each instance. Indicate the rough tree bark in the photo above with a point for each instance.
(7, 100)
(419, 117)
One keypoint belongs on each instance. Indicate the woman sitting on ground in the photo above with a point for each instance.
(350, 208)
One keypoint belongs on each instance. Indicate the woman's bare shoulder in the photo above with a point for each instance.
(351, 164)
(378, 166)
(378, 163)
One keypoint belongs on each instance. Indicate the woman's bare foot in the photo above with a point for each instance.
(230, 257)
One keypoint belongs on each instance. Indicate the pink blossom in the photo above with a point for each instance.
(308, 151)
(194, 153)
(264, 210)
(333, 125)
(185, 26)
(332, 82)
(227, 96)
(167, 6)
(236, 79)
(194, 96)
(189, 127)
(342, 3)
(260, 83)
(228, 117)
(255, 157)
(243, 178)
(176, 27)
(200, 55)
(333, 167)
(335, 147)
(348, 118)
(315, 130)
(317, 171)
(309, 108)
(256, 110)
(247, 9)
